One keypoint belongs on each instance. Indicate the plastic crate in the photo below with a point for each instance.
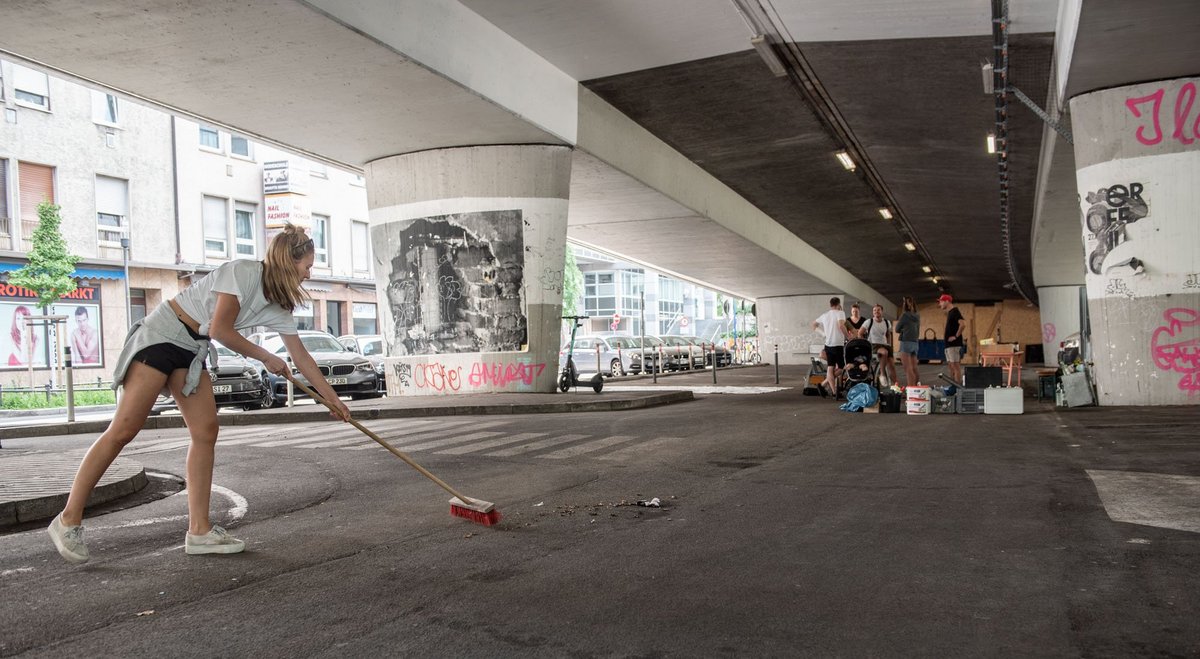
(970, 401)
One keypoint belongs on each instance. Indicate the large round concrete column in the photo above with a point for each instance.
(1137, 150)
(1061, 310)
(469, 250)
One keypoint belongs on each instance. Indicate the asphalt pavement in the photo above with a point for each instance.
(785, 527)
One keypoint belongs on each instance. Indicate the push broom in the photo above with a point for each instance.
(475, 510)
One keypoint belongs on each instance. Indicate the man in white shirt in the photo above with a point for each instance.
(878, 330)
(832, 325)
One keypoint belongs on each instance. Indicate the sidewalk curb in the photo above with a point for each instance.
(293, 416)
(129, 476)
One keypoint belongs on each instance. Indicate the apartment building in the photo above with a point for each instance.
(151, 203)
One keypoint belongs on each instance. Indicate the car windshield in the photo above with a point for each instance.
(226, 352)
(654, 341)
(312, 343)
(373, 347)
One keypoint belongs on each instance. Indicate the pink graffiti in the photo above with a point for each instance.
(1048, 333)
(1173, 352)
(501, 375)
(437, 377)
(1184, 99)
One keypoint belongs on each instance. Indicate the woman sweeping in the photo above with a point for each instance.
(168, 350)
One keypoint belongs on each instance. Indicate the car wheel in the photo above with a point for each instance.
(598, 385)
(616, 369)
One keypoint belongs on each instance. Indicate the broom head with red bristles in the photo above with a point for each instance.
(478, 511)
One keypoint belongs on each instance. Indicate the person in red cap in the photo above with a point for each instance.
(955, 325)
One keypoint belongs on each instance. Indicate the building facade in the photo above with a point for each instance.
(151, 203)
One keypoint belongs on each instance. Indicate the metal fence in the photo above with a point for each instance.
(50, 390)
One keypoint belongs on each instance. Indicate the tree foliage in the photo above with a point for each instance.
(572, 285)
(48, 273)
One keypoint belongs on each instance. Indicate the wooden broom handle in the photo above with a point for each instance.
(366, 431)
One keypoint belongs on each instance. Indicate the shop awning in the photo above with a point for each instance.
(81, 272)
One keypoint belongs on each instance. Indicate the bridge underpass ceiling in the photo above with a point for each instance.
(906, 78)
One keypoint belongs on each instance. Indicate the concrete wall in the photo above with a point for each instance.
(433, 339)
(787, 322)
(1135, 148)
(1059, 306)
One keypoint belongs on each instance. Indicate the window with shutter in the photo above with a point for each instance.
(37, 185)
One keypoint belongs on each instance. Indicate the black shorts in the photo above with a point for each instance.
(876, 346)
(835, 356)
(168, 357)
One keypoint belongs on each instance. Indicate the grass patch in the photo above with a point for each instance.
(37, 401)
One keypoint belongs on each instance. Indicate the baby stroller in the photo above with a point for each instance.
(860, 364)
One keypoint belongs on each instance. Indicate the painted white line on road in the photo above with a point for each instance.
(533, 446)
(1168, 501)
(587, 447)
(20, 570)
(236, 512)
(492, 443)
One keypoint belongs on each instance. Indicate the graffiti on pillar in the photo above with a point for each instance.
(1175, 346)
(1184, 133)
(1049, 331)
(1118, 287)
(1111, 210)
(1192, 281)
(456, 284)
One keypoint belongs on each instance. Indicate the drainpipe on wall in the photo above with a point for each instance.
(175, 191)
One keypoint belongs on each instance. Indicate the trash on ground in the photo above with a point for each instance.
(652, 503)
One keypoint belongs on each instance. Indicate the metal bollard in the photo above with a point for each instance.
(48, 387)
(598, 370)
(776, 363)
(716, 361)
(291, 401)
(70, 385)
(657, 365)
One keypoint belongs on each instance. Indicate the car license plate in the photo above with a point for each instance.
(222, 388)
(338, 381)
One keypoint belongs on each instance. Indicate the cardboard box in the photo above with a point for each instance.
(874, 409)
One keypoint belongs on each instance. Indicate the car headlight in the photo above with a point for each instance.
(250, 372)
(365, 366)
(379, 368)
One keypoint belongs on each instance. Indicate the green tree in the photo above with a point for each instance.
(48, 273)
(572, 285)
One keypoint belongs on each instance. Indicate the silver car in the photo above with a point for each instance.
(615, 354)
(349, 373)
(370, 346)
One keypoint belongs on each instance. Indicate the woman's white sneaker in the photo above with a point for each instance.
(216, 541)
(68, 540)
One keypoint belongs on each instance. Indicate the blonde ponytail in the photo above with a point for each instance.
(281, 282)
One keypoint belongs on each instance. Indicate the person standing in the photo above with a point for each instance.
(908, 327)
(832, 325)
(854, 323)
(878, 330)
(167, 350)
(955, 326)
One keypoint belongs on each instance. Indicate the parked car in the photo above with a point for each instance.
(370, 346)
(615, 353)
(660, 357)
(688, 352)
(237, 382)
(350, 374)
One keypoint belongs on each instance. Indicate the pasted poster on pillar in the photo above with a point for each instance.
(83, 333)
(19, 341)
(455, 283)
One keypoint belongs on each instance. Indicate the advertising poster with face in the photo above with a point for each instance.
(83, 332)
(18, 339)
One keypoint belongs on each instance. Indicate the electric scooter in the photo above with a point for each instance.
(570, 374)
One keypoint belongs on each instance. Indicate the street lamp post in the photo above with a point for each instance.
(125, 261)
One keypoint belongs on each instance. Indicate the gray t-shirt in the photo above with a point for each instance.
(241, 278)
(877, 330)
(909, 326)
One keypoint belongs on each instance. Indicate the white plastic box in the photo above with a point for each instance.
(1004, 400)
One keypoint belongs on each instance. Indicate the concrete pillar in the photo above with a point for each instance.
(1059, 307)
(787, 321)
(469, 246)
(1137, 153)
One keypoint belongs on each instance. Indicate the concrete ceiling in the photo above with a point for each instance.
(329, 79)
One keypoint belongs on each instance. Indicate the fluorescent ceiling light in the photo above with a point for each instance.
(910, 247)
(767, 53)
(991, 143)
(926, 269)
(845, 159)
(935, 279)
(989, 80)
(887, 214)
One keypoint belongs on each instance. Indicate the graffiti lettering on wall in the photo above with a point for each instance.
(441, 378)
(1049, 331)
(502, 375)
(1184, 132)
(1111, 209)
(1193, 280)
(1175, 346)
(1118, 287)
(456, 283)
